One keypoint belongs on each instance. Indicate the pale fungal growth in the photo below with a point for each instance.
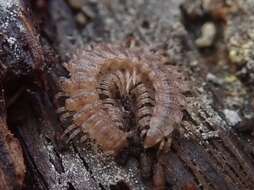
(113, 91)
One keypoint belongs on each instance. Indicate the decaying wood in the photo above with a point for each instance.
(12, 166)
(21, 52)
(206, 153)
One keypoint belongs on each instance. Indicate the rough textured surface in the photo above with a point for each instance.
(21, 52)
(214, 147)
(12, 166)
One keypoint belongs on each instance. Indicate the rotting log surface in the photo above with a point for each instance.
(210, 153)
(12, 166)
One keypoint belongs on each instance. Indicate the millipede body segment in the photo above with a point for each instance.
(112, 91)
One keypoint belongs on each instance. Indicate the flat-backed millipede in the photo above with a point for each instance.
(112, 90)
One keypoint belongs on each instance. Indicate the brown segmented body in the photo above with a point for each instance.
(105, 78)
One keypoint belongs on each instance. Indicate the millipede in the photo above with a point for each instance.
(112, 91)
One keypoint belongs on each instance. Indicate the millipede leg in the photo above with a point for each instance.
(165, 145)
(69, 129)
(128, 81)
(143, 133)
(59, 95)
(60, 110)
(65, 116)
(73, 135)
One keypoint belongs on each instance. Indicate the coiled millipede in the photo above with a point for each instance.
(109, 83)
